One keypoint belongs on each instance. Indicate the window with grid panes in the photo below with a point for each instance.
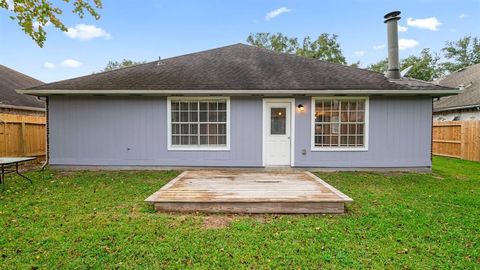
(339, 123)
(199, 122)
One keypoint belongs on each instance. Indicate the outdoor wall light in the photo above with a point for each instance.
(300, 107)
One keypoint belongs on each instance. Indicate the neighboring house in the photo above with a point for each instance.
(241, 106)
(465, 106)
(12, 102)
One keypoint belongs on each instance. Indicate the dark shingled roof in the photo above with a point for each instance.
(470, 79)
(11, 80)
(237, 67)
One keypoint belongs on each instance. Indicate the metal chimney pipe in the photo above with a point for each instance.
(391, 19)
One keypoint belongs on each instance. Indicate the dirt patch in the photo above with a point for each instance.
(217, 221)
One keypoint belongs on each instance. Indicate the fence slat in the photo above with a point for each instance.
(460, 139)
(22, 135)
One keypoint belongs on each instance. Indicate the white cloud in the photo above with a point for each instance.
(431, 23)
(274, 13)
(359, 53)
(70, 63)
(404, 43)
(48, 65)
(402, 28)
(379, 47)
(463, 16)
(87, 32)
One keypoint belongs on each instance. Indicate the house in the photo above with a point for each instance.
(242, 106)
(465, 106)
(12, 102)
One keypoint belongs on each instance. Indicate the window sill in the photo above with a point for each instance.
(339, 149)
(195, 148)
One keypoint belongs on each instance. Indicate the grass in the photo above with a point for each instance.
(98, 220)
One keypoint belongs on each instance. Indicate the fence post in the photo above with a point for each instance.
(23, 139)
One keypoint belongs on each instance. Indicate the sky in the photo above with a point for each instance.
(148, 29)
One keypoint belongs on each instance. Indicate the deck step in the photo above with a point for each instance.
(253, 208)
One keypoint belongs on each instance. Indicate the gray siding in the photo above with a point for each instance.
(99, 130)
(399, 136)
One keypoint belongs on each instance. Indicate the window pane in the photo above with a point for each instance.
(193, 140)
(359, 140)
(212, 116)
(222, 129)
(193, 116)
(184, 140)
(203, 140)
(184, 128)
(278, 121)
(175, 140)
(193, 106)
(222, 106)
(360, 116)
(353, 117)
(212, 129)
(203, 129)
(203, 106)
(222, 140)
(175, 106)
(212, 106)
(184, 117)
(360, 129)
(184, 106)
(203, 116)
(175, 116)
(212, 140)
(193, 129)
(222, 117)
(175, 129)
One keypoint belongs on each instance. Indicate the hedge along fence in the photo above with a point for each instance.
(22, 135)
(458, 139)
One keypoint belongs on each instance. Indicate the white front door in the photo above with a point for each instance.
(277, 132)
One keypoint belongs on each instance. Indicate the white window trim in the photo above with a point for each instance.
(195, 147)
(339, 149)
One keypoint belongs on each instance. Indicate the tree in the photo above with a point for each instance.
(276, 42)
(381, 66)
(423, 67)
(464, 52)
(325, 47)
(124, 63)
(33, 15)
(355, 64)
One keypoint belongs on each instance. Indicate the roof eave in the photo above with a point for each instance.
(471, 106)
(431, 92)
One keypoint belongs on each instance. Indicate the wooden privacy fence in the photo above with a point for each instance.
(459, 139)
(22, 135)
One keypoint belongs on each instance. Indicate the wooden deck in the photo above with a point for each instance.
(248, 192)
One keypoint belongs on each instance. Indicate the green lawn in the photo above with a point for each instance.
(98, 220)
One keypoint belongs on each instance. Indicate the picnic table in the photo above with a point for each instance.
(6, 164)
